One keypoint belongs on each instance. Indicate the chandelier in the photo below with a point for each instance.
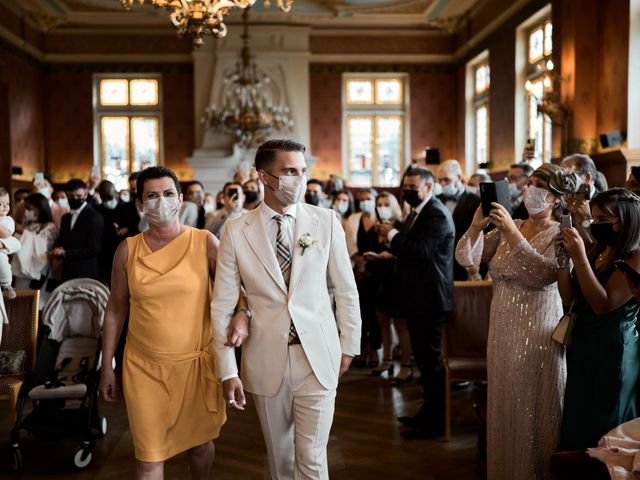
(203, 17)
(248, 112)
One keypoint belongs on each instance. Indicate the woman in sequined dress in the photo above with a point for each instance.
(526, 368)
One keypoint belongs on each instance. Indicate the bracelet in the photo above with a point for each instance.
(246, 311)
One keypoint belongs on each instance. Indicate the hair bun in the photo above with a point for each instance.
(564, 181)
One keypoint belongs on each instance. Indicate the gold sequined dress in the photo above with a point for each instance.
(526, 368)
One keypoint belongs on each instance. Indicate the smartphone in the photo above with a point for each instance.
(531, 144)
(233, 193)
(565, 222)
(627, 270)
(38, 177)
(494, 192)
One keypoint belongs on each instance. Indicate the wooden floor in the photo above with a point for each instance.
(364, 444)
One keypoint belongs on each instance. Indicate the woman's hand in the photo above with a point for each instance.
(479, 222)
(574, 245)
(501, 218)
(238, 329)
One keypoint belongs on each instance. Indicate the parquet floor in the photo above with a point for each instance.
(364, 444)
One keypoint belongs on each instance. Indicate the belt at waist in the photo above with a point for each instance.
(208, 379)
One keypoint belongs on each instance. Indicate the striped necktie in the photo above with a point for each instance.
(283, 254)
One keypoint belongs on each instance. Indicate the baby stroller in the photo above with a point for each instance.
(63, 387)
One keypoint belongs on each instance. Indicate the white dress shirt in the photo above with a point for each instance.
(271, 224)
(76, 213)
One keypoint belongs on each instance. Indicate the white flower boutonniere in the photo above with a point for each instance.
(305, 242)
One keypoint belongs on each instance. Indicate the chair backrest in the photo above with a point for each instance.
(22, 331)
(467, 327)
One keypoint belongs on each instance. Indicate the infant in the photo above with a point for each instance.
(7, 227)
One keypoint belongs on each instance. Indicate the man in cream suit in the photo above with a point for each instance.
(281, 253)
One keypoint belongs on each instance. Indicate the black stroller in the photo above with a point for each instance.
(63, 387)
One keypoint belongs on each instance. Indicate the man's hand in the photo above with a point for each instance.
(108, 387)
(345, 363)
(238, 329)
(58, 252)
(234, 393)
(383, 229)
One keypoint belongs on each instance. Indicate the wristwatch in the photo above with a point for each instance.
(246, 311)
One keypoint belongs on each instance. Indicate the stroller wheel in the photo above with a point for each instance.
(102, 426)
(82, 457)
(17, 460)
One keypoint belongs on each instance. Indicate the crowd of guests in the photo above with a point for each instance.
(407, 247)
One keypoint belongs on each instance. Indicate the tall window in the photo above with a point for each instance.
(539, 49)
(374, 116)
(482, 82)
(128, 116)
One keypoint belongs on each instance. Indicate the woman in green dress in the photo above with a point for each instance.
(603, 360)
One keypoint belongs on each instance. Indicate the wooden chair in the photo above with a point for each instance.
(464, 348)
(20, 334)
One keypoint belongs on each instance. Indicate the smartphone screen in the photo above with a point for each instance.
(565, 222)
(38, 177)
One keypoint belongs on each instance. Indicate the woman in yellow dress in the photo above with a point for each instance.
(162, 278)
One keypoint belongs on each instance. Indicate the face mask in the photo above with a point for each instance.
(124, 197)
(474, 190)
(75, 203)
(163, 210)
(535, 199)
(341, 207)
(449, 190)
(30, 216)
(290, 188)
(367, 206)
(63, 203)
(385, 213)
(250, 196)
(111, 204)
(604, 233)
(208, 207)
(514, 191)
(45, 192)
(412, 197)
(312, 199)
(437, 189)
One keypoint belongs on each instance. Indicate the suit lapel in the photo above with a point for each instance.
(306, 222)
(256, 234)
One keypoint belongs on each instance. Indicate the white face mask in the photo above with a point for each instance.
(45, 192)
(474, 190)
(30, 216)
(341, 207)
(63, 203)
(450, 189)
(437, 189)
(290, 189)
(161, 211)
(124, 197)
(367, 206)
(111, 204)
(535, 199)
(385, 213)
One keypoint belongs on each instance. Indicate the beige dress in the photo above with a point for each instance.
(526, 368)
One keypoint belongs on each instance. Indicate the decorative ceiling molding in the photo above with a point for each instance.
(355, 58)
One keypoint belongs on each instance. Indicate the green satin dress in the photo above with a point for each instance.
(602, 371)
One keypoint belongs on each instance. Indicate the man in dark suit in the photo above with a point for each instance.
(126, 213)
(461, 203)
(424, 275)
(80, 239)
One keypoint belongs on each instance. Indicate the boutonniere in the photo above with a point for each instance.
(305, 242)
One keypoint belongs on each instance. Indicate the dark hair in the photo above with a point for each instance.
(134, 176)
(151, 173)
(525, 167)
(251, 180)
(423, 173)
(584, 164)
(561, 182)
(103, 187)
(315, 181)
(39, 201)
(194, 182)
(267, 152)
(20, 191)
(3, 192)
(484, 177)
(600, 182)
(75, 184)
(349, 196)
(625, 205)
(231, 184)
(635, 171)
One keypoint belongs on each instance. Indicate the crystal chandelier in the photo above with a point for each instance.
(203, 17)
(248, 112)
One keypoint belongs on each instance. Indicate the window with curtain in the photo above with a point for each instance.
(539, 50)
(128, 114)
(374, 119)
(482, 82)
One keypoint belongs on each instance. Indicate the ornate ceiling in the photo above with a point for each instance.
(444, 15)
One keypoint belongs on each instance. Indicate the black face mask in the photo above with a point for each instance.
(312, 199)
(411, 197)
(604, 234)
(75, 203)
(250, 196)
